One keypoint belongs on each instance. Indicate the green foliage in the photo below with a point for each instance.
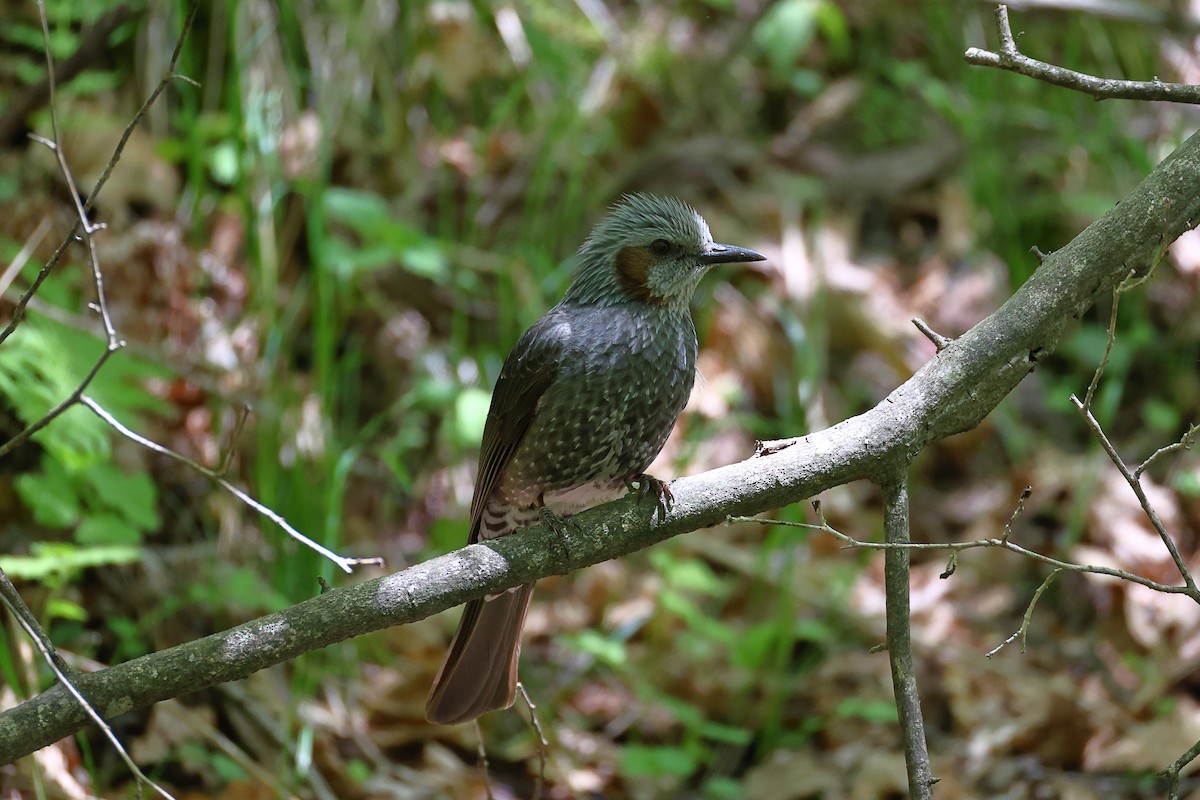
(657, 762)
(59, 563)
(381, 239)
(608, 651)
(77, 487)
(873, 711)
(787, 31)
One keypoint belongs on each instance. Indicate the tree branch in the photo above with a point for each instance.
(899, 641)
(953, 392)
(1011, 59)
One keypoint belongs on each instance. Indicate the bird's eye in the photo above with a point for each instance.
(660, 247)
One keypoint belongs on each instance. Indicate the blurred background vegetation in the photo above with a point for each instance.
(354, 215)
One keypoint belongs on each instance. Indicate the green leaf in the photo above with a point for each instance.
(50, 495)
(131, 642)
(359, 771)
(107, 529)
(1188, 483)
(868, 710)
(605, 650)
(132, 497)
(382, 240)
(470, 413)
(61, 608)
(692, 575)
(62, 558)
(362, 211)
(785, 33)
(723, 787)
(729, 734)
(226, 768)
(223, 163)
(752, 649)
(656, 762)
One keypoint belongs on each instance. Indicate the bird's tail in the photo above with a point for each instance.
(480, 670)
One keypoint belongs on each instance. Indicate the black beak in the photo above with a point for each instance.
(728, 254)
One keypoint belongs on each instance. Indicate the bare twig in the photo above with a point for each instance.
(483, 761)
(88, 230)
(899, 643)
(92, 47)
(1023, 631)
(223, 467)
(19, 311)
(52, 414)
(1171, 773)
(953, 563)
(1010, 58)
(939, 341)
(543, 744)
(1136, 485)
(345, 564)
(1174, 19)
(1108, 345)
(1185, 443)
(1131, 282)
(954, 547)
(12, 600)
(1025, 493)
(22, 256)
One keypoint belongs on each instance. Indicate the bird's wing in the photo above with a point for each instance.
(527, 372)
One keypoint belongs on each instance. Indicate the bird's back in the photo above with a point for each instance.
(623, 374)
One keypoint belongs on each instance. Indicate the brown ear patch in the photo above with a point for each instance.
(633, 272)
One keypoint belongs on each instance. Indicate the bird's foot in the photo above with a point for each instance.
(560, 526)
(650, 485)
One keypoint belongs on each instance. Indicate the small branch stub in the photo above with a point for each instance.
(939, 341)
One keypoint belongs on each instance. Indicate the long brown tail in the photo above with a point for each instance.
(480, 670)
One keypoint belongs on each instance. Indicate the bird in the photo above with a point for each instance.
(583, 404)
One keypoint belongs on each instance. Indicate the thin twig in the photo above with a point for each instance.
(1108, 345)
(1171, 773)
(1023, 631)
(1010, 58)
(71, 399)
(16, 606)
(1136, 485)
(1001, 544)
(1025, 493)
(166, 80)
(543, 744)
(56, 257)
(1131, 282)
(345, 564)
(223, 467)
(1007, 532)
(22, 257)
(1185, 443)
(483, 761)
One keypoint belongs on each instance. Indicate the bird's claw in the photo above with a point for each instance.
(559, 525)
(647, 485)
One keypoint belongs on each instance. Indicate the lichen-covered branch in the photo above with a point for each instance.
(952, 393)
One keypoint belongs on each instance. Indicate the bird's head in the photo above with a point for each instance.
(649, 249)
